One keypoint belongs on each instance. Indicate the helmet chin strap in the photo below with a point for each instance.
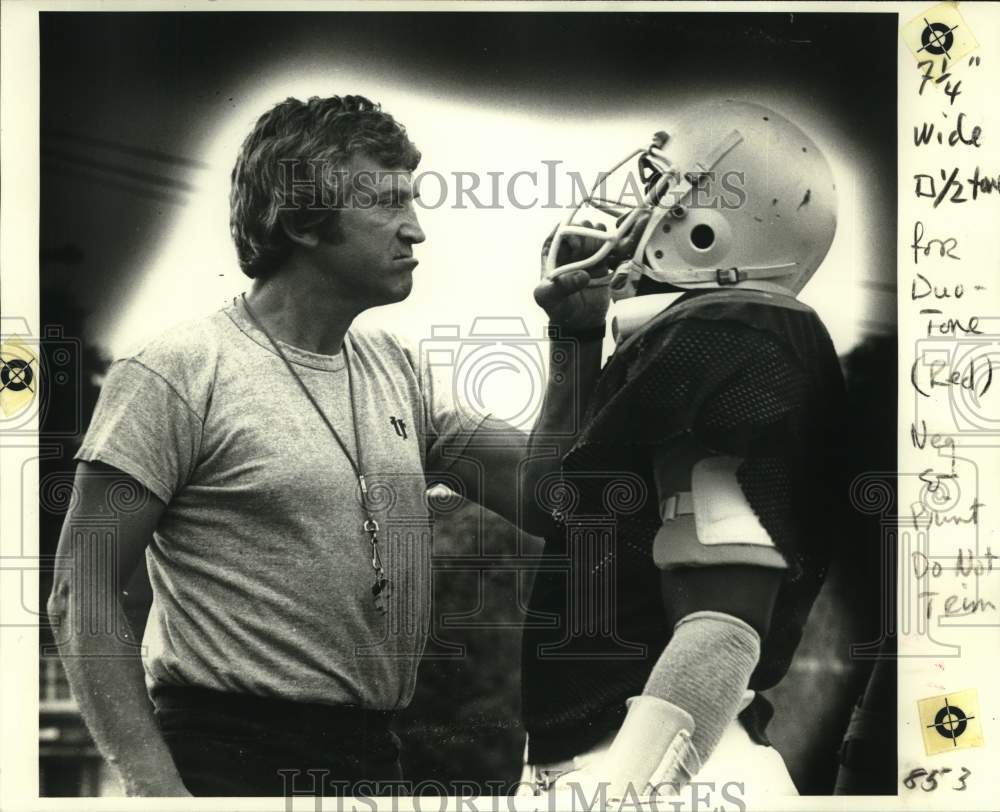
(727, 277)
(625, 280)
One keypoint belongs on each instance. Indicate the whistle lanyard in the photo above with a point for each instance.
(382, 587)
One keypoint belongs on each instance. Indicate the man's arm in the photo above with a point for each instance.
(99, 652)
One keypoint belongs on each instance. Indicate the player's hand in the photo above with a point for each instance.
(570, 299)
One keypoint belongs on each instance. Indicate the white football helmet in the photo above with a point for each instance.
(736, 196)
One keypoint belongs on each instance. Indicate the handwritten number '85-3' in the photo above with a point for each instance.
(930, 782)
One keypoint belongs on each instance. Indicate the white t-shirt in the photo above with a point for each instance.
(260, 566)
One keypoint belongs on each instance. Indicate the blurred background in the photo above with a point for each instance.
(141, 118)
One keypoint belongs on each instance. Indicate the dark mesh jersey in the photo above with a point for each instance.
(740, 373)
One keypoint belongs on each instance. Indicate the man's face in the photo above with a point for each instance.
(373, 260)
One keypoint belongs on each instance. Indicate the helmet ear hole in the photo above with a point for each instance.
(702, 236)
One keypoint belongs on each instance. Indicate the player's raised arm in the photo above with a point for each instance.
(505, 469)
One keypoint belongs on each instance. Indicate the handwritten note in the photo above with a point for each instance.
(949, 478)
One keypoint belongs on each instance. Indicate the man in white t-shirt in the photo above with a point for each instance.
(278, 461)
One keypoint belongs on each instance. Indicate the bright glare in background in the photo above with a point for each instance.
(476, 262)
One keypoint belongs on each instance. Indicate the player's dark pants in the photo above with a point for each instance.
(233, 744)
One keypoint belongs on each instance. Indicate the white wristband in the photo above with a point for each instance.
(653, 748)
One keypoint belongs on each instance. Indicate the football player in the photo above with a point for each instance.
(696, 506)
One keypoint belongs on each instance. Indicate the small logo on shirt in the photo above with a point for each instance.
(399, 425)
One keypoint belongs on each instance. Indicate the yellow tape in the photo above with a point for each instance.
(951, 722)
(18, 378)
(939, 34)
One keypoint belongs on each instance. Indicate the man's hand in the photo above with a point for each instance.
(569, 299)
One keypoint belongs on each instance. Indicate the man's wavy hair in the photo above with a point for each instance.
(308, 141)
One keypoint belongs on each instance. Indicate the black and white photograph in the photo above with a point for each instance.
(469, 402)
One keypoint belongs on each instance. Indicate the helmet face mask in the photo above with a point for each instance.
(737, 196)
(620, 215)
